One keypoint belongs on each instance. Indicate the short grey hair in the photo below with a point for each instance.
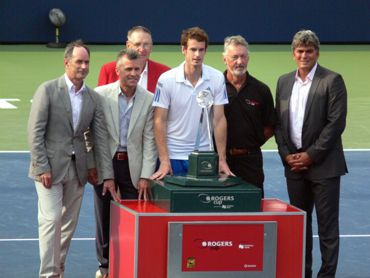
(68, 52)
(129, 53)
(305, 38)
(235, 40)
(137, 28)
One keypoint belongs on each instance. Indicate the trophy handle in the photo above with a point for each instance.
(211, 148)
(197, 140)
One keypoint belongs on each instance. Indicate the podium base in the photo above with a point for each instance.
(203, 181)
(238, 198)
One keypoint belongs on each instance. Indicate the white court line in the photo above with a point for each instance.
(36, 239)
(346, 150)
(14, 151)
(92, 238)
(349, 236)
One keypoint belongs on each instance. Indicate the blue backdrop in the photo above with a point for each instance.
(260, 21)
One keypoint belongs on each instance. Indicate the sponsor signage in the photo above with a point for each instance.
(222, 247)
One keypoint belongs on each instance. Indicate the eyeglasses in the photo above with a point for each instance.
(143, 45)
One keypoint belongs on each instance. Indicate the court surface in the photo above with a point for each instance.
(18, 225)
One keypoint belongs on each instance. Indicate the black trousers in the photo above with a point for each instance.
(249, 167)
(102, 209)
(324, 196)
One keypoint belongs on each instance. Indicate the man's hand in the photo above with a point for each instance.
(45, 179)
(224, 168)
(109, 185)
(164, 169)
(92, 176)
(298, 161)
(143, 187)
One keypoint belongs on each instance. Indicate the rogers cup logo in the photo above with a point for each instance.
(215, 199)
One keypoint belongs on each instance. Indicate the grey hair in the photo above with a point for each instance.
(305, 38)
(129, 53)
(235, 40)
(136, 29)
(68, 52)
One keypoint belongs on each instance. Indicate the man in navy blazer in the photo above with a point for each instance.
(311, 106)
(139, 38)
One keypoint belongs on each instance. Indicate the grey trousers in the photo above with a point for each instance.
(58, 211)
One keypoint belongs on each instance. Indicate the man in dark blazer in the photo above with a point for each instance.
(139, 38)
(311, 106)
(62, 110)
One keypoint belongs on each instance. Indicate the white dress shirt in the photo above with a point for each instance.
(143, 82)
(297, 106)
(76, 100)
(125, 109)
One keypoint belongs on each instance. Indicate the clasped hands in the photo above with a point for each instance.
(298, 161)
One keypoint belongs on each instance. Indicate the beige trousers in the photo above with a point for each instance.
(58, 211)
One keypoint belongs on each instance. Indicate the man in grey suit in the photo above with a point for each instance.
(128, 110)
(311, 106)
(62, 110)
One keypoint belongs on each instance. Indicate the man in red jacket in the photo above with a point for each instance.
(140, 39)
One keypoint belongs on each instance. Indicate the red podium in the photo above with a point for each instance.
(149, 242)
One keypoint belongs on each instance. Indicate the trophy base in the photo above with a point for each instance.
(203, 165)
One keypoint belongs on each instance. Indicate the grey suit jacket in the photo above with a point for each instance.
(51, 136)
(324, 122)
(141, 149)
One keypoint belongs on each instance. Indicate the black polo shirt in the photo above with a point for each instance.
(247, 113)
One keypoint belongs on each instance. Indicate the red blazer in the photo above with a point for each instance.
(108, 74)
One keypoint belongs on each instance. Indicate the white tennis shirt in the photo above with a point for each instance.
(178, 95)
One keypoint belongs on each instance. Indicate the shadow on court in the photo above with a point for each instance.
(18, 225)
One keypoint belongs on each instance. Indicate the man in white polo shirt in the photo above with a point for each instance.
(177, 113)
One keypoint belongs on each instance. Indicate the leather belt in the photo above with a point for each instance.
(242, 151)
(121, 156)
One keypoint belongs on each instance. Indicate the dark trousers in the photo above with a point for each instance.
(102, 210)
(324, 196)
(249, 167)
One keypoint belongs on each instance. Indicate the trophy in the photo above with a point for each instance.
(203, 165)
(204, 100)
(202, 189)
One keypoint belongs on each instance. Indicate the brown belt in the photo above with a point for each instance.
(237, 151)
(121, 156)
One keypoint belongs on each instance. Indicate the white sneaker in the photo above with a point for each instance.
(98, 274)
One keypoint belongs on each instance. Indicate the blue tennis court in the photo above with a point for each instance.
(18, 226)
